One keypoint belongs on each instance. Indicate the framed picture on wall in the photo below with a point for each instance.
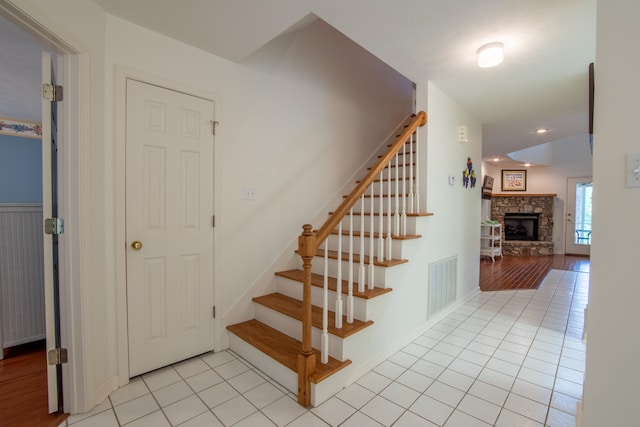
(487, 187)
(514, 180)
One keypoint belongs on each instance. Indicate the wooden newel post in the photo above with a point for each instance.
(307, 358)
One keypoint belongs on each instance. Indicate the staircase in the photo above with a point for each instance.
(320, 324)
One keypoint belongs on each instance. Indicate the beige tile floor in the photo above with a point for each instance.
(506, 358)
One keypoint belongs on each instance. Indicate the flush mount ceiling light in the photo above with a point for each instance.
(490, 55)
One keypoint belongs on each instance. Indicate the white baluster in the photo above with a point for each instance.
(396, 215)
(403, 217)
(350, 282)
(372, 227)
(389, 197)
(381, 221)
(417, 188)
(339, 280)
(411, 190)
(361, 275)
(324, 340)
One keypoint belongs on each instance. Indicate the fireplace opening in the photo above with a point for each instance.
(521, 226)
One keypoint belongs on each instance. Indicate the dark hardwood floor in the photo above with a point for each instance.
(23, 388)
(525, 272)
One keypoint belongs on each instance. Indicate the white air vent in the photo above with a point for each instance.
(443, 279)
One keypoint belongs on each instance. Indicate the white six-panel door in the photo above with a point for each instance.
(169, 209)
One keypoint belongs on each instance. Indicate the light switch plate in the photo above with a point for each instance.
(463, 134)
(250, 193)
(452, 179)
(633, 170)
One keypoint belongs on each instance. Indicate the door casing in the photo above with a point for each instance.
(73, 72)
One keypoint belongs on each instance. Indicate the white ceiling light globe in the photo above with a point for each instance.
(490, 55)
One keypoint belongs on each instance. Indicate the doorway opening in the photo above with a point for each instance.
(22, 317)
(582, 234)
(579, 216)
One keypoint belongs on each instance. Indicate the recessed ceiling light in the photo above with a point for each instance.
(526, 165)
(490, 55)
(542, 130)
(496, 159)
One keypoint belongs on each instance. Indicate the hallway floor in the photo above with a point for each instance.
(504, 358)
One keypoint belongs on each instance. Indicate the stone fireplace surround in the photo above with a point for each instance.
(526, 203)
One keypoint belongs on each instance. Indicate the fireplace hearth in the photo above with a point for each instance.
(521, 226)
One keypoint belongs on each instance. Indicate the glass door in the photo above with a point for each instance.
(578, 229)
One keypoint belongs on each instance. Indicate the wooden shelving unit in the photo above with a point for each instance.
(490, 239)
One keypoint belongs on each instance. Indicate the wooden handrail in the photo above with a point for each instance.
(309, 242)
(323, 232)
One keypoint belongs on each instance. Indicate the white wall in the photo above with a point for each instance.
(546, 180)
(454, 230)
(613, 347)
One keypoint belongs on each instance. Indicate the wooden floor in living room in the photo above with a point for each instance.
(525, 272)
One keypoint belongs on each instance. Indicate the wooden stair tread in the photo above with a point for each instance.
(283, 348)
(293, 308)
(318, 281)
(377, 235)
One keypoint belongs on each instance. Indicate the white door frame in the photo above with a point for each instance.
(122, 74)
(73, 73)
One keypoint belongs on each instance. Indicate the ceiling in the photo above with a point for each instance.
(542, 82)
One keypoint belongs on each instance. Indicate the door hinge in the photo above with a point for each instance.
(214, 123)
(213, 221)
(57, 356)
(54, 226)
(214, 311)
(52, 92)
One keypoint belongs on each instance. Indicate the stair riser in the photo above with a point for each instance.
(380, 274)
(396, 245)
(410, 227)
(293, 328)
(366, 206)
(293, 289)
(329, 387)
(385, 186)
(285, 376)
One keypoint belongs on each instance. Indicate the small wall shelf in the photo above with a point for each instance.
(491, 239)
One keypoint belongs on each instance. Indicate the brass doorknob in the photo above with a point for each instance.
(137, 245)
